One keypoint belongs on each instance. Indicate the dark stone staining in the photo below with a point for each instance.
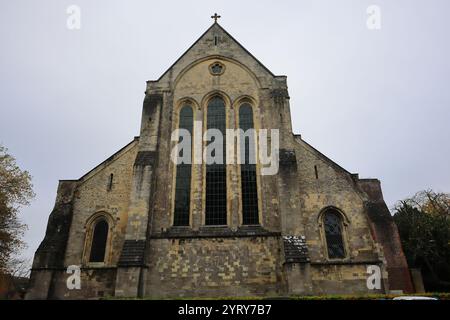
(51, 251)
(279, 95)
(132, 253)
(372, 188)
(151, 102)
(288, 160)
(295, 249)
(145, 158)
(378, 213)
(150, 111)
(385, 232)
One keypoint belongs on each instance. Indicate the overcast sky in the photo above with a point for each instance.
(375, 101)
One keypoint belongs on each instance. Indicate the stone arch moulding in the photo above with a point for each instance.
(345, 238)
(345, 219)
(216, 93)
(89, 232)
(219, 58)
(184, 101)
(254, 103)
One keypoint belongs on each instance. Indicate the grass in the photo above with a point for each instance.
(439, 295)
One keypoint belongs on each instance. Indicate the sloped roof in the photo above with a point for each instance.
(216, 26)
(298, 138)
(107, 161)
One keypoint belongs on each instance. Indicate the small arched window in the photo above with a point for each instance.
(99, 241)
(333, 226)
(183, 175)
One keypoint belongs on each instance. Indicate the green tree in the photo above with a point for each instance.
(423, 223)
(15, 191)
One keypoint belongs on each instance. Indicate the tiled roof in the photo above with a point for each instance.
(132, 253)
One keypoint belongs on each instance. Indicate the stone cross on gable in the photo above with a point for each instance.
(215, 17)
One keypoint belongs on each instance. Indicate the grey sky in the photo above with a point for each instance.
(376, 102)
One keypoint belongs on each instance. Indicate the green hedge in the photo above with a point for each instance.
(439, 295)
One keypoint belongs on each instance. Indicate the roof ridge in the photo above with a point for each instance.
(104, 162)
(199, 38)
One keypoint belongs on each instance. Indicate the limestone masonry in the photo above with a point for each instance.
(319, 227)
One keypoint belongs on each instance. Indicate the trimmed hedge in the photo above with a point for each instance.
(438, 295)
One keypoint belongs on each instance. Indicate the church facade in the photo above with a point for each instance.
(140, 225)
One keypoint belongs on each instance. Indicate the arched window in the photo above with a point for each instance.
(183, 175)
(248, 167)
(99, 240)
(216, 174)
(332, 222)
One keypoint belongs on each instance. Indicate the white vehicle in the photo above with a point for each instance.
(414, 298)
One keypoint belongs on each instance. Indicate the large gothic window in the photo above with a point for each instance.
(216, 174)
(248, 167)
(183, 175)
(99, 241)
(332, 222)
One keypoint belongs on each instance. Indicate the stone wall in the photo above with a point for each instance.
(342, 279)
(95, 283)
(160, 260)
(336, 188)
(214, 267)
(236, 85)
(50, 254)
(64, 244)
(386, 234)
(92, 196)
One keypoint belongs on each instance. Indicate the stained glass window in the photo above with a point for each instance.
(216, 175)
(183, 175)
(333, 233)
(248, 168)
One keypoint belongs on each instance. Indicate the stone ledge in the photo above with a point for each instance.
(214, 232)
(346, 262)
